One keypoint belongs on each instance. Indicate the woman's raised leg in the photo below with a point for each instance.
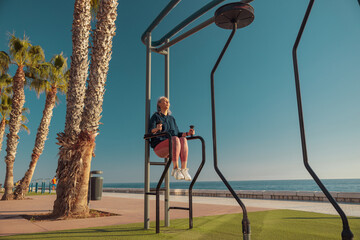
(183, 152)
(162, 150)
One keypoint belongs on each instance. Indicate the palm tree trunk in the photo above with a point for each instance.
(41, 137)
(14, 127)
(101, 55)
(67, 171)
(2, 131)
(80, 206)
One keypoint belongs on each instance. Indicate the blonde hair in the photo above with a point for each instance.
(158, 109)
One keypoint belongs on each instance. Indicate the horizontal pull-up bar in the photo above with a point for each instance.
(180, 26)
(185, 35)
(159, 18)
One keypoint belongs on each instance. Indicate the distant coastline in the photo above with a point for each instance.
(334, 185)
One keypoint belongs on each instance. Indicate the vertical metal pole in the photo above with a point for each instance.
(159, 185)
(147, 118)
(346, 234)
(167, 180)
(245, 221)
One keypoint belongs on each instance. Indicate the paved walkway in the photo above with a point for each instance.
(130, 208)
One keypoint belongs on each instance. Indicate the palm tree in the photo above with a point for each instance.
(100, 58)
(75, 103)
(76, 147)
(55, 81)
(22, 54)
(4, 112)
(5, 109)
(6, 94)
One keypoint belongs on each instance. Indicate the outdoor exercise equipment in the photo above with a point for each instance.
(242, 17)
(167, 163)
(164, 43)
(346, 232)
(230, 16)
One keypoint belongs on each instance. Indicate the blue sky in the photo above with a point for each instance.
(257, 122)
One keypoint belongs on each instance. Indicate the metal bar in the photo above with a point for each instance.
(187, 21)
(150, 193)
(245, 221)
(180, 26)
(167, 72)
(195, 178)
(185, 35)
(157, 163)
(147, 118)
(151, 135)
(159, 184)
(180, 208)
(154, 189)
(172, 4)
(167, 177)
(346, 233)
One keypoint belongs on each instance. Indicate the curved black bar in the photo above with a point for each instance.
(195, 177)
(181, 25)
(148, 136)
(245, 221)
(346, 233)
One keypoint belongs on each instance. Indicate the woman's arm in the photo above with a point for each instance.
(155, 124)
(157, 129)
(152, 123)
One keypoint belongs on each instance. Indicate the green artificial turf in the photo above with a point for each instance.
(266, 225)
(39, 193)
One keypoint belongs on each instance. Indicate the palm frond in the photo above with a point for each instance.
(36, 55)
(7, 91)
(59, 74)
(57, 100)
(39, 86)
(24, 127)
(40, 71)
(25, 110)
(4, 62)
(6, 100)
(5, 80)
(5, 106)
(63, 88)
(59, 62)
(18, 49)
(94, 4)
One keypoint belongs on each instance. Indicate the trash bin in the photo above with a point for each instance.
(96, 186)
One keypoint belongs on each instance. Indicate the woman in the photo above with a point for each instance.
(162, 121)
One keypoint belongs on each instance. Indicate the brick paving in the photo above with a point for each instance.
(130, 210)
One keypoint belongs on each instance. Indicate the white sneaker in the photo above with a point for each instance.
(178, 175)
(173, 171)
(185, 173)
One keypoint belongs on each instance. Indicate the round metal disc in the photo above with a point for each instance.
(227, 15)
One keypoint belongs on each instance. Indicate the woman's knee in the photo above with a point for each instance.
(183, 142)
(176, 141)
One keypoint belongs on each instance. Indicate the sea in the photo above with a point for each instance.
(333, 185)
